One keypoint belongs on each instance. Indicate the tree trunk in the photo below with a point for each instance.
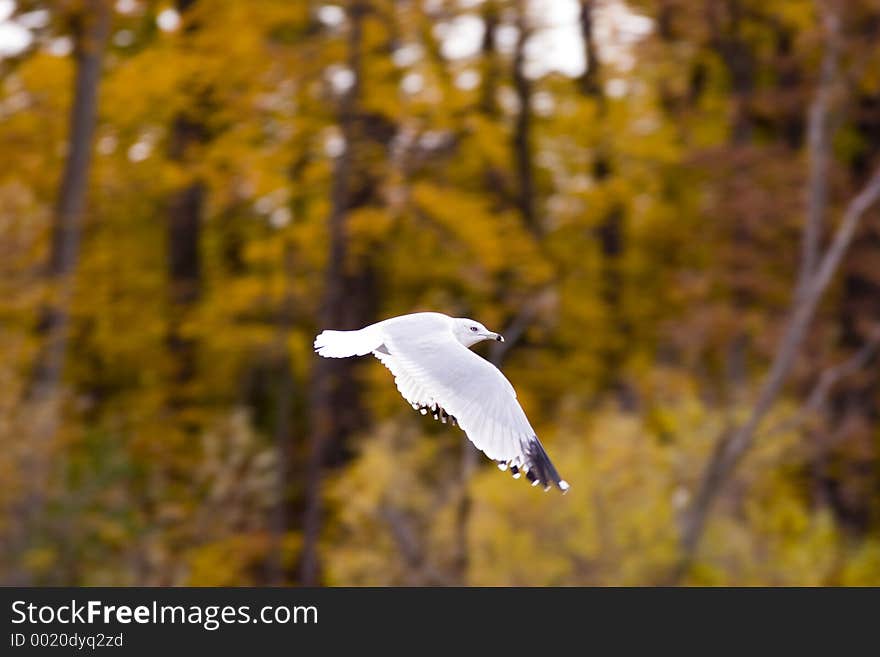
(738, 59)
(336, 411)
(470, 456)
(89, 26)
(522, 130)
(522, 152)
(726, 39)
(611, 231)
(184, 282)
(183, 234)
(489, 60)
(590, 82)
(278, 522)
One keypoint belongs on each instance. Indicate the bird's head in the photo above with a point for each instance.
(469, 332)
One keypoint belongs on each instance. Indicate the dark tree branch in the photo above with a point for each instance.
(514, 331)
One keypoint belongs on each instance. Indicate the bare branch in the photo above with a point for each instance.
(514, 331)
(729, 451)
(818, 398)
(410, 548)
(512, 334)
(731, 447)
(819, 146)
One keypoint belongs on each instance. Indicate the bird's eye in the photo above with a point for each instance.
(474, 329)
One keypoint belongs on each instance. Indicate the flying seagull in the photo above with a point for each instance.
(436, 372)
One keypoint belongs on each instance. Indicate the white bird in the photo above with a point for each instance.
(435, 371)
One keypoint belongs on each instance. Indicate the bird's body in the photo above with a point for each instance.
(436, 372)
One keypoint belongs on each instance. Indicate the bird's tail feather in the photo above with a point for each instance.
(342, 344)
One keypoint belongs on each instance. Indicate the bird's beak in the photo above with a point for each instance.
(498, 337)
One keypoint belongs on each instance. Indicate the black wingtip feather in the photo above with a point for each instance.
(541, 468)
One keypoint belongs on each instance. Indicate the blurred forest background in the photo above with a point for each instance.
(667, 207)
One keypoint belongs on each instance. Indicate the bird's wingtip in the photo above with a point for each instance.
(540, 468)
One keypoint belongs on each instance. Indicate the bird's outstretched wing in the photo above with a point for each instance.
(435, 372)
(410, 389)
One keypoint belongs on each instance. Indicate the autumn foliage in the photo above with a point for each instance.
(258, 171)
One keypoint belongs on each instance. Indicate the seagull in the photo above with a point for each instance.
(436, 372)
